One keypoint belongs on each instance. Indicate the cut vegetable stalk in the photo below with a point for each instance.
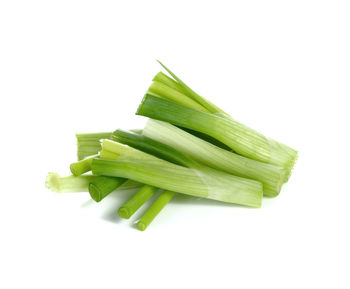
(136, 201)
(102, 186)
(204, 182)
(210, 155)
(69, 184)
(73, 184)
(89, 143)
(152, 147)
(154, 209)
(80, 167)
(163, 78)
(240, 138)
(195, 96)
(162, 90)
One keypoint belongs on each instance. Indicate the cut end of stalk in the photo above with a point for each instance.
(73, 170)
(52, 182)
(124, 213)
(139, 108)
(94, 192)
(141, 226)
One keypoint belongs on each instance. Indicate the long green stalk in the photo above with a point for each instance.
(154, 209)
(69, 184)
(153, 147)
(210, 155)
(203, 182)
(163, 78)
(160, 89)
(136, 201)
(281, 154)
(240, 138)
(195, 96)
(208, 138)
(89, 143)
(72, 184)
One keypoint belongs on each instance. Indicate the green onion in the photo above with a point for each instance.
(69, 184)
(150, 146)
(240, 138)
(195, 96)
(136, 201)
(72, 184)
(160, 89)
(163, 78)
(80, 167)
(102, 186)
(210, 155)
(204, 182)
(207, 138)
(154, 209)
(89, 143)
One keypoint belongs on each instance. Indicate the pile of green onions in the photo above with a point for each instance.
(188, 146)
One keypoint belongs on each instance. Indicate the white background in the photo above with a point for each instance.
(281, 67)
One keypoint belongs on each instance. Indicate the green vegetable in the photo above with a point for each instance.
(154, 209)
(153, 147)
(89, 143)
(188, 146)
(240, 138)
(204, 182)
(102, 186)
(210, 107)
(210, 155)
(207, 138)
(80, 167)
(136, 201)
(160, 89)
(163, 78)
(69, 184)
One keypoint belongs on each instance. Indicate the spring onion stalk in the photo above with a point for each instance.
(207, 138)
(160, 89)
(210, 155)
(154, 209)
(102, 186)
(80, 167)
(70, 184)
(170, 143)
(152, 147)
(133, 139)
(163, 78)
(89, 143)
(195, 96)
(204, 182)
(240, 138)
(136, 201)
(280, 153)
